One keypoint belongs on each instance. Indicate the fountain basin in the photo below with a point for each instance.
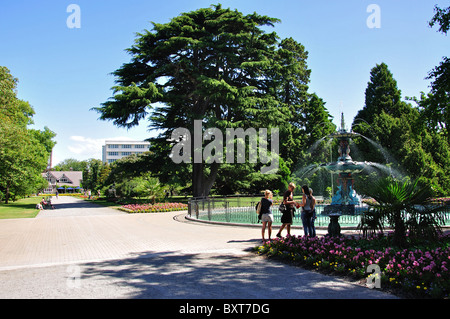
(345, 166)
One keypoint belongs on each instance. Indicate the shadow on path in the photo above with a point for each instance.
(168, 275)
(69, 206)
(76, 205)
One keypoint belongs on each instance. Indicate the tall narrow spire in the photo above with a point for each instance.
(342, 122)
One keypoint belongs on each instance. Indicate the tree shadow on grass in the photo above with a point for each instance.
(19, 205)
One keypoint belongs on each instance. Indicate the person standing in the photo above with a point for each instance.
(313, 214)
(266, 214)
(288, 214)
(308, 204)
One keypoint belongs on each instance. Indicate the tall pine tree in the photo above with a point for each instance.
(398, 129)
(215, 65)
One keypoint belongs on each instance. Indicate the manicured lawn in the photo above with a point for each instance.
(23, 208)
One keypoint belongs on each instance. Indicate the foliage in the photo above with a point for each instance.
(414, 147)
(371, 223)
(71, 164)
(247, 179)
(142, 186)
(407, 207)
(419, 271)
(150, 187)
(24, 152)
(220, 66)
(381, 94)
(91, 174)
(436, 107)
(441, 17)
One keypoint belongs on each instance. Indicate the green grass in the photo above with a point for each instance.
(23, 208)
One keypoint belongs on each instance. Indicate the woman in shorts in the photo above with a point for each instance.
(266, 214)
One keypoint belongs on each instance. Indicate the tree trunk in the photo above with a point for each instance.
(399, 231)
(201, 185)
(209, 182)
(197, 180)
(7, 195)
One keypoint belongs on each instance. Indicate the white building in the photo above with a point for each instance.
(114, 150)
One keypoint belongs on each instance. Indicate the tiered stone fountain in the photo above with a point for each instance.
(345, 199)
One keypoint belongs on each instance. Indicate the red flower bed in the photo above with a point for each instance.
(154, 208)
(423, 271)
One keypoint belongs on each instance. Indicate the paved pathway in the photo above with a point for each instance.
(81, 250)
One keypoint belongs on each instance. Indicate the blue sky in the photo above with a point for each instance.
(65, 72)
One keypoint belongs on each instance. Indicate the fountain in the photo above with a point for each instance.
(346, 198)
(346, 201)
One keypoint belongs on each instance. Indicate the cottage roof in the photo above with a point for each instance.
(74, 177)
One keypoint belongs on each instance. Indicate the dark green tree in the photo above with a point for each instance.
(216, 65)
(436, 105)
(403, 140)
(71, 164)
(382, 94)
(91, 174)
(442, 18)
(376, 120)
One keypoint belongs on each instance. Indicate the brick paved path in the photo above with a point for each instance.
(81, 250)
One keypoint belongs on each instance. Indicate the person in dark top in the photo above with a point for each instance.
(266, 214)
(307, 215)
(288, 214)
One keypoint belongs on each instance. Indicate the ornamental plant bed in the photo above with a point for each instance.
(419, 271)
(153, 208)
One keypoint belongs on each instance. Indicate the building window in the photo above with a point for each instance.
(111, 160)
(126, 146)
(48, 190)
(141, 146)
(113, 146)
(113, 153)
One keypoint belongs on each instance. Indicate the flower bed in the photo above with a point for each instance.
(423, 272)
(155, 208)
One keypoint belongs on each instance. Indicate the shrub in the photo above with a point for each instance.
(423, 271)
